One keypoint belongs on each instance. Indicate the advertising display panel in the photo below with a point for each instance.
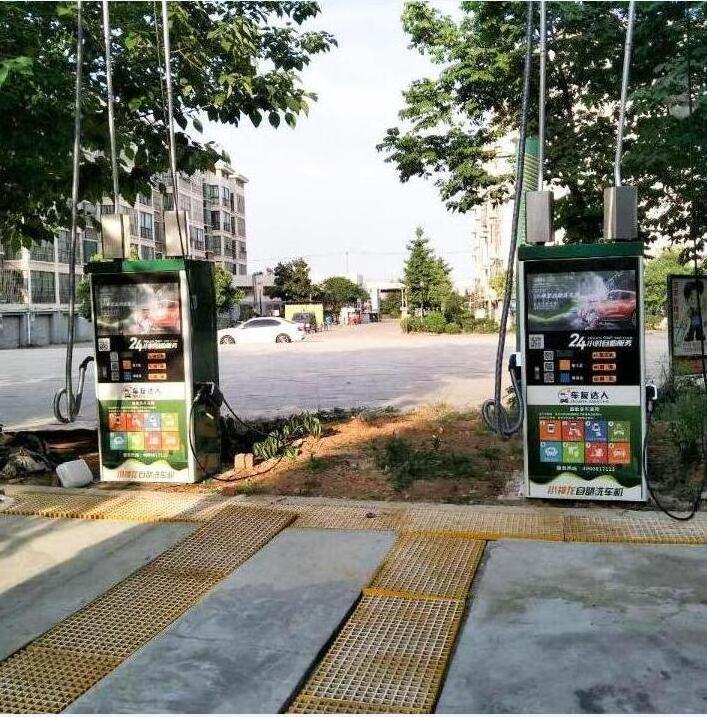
(140, 373)
(583, 377)
(687, 313)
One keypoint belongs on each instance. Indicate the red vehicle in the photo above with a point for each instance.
(619, 305)
(167, 316)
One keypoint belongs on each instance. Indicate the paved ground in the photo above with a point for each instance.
(50, 568)
(371, 365)
(247, 645)
(567, 628)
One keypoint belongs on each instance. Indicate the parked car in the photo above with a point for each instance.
(262, 330)
(618, 305)
(306, 320)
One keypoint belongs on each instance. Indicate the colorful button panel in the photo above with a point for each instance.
(150, 432)
(588, 441)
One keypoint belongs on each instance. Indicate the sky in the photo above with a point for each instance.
(322, 189)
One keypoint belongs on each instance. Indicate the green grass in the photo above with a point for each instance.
(405, 464)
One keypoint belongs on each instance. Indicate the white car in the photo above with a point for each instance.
(265, 330)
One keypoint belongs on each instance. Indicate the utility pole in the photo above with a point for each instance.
(347, 262)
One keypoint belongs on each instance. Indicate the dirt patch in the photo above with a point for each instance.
(352, 460)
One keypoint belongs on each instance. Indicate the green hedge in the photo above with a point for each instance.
(435, 323)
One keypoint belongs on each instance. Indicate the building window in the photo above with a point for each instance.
(134, 252)
(42, 251)
(63, 247)
(90, 249)
(242, 269)
(146, 226)
(215, 220)
(185, 204)
(143, 199)
(12, 287)
(168, 202)
(196, 236)
(225, 196)
(241, 227)
(64, 288)
(211, 192)
(212, 245)
(43, 287)
(240, 203)
(147, 253)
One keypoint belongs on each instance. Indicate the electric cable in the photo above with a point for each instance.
(493, 412)
(697, 277)
(73, 400)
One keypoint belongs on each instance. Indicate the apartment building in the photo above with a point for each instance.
(34, 283)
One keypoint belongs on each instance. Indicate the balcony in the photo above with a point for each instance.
(146, 233)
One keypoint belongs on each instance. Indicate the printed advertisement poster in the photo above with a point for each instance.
(144, 440)
(585, 452)
(688, 314)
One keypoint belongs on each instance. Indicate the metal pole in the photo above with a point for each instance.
(170, 114)
(624, 92)
(111, 117)
(70, 398)
(541, 99)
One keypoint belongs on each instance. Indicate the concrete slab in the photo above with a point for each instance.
(49, 567)
(583, 628)
(247, 645)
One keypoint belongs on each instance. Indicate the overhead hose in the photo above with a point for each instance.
(73, 400)
(493, 412)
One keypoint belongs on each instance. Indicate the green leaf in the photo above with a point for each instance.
(197, 124)
(274, 119)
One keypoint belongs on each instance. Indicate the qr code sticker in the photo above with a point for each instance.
(104, 344)
(536, 341)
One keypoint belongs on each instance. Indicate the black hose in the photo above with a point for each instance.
(492, 410)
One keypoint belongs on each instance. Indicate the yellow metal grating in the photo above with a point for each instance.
(483, 525)
(339, 517)
(38, 680)
(306, 704)
(139, 506)
(128, 615)
(223, 543)
(390, 655)
(54, 505)
(425, 566)
(637, 528)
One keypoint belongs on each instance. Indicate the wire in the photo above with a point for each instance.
(492, 410)
(68, 391)
(628, 45)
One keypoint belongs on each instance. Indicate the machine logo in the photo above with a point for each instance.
(137, 344)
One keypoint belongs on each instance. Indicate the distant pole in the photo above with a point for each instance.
(347, 262)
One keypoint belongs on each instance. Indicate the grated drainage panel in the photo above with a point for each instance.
(64, 662)
(637, 528)
(139, 506)
(428, 567)
(391, 654)
(389, 657)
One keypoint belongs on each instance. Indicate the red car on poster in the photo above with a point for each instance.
(619, 305)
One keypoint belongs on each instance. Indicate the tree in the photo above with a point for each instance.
(426, 276)
(656, 275)
(390, 306)
(451, 123)
(338, 291)
(292, 282)
(227, 295)
(497, 281)
(230, 61)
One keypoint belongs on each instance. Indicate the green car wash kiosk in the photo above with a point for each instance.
(581, 320)
(155, 345)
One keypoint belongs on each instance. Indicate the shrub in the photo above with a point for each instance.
(452, 329)
(434, 322)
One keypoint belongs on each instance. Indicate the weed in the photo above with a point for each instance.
(406, 464)
(317, 465)
(491, 453)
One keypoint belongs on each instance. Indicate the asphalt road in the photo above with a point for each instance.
(348, 367)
